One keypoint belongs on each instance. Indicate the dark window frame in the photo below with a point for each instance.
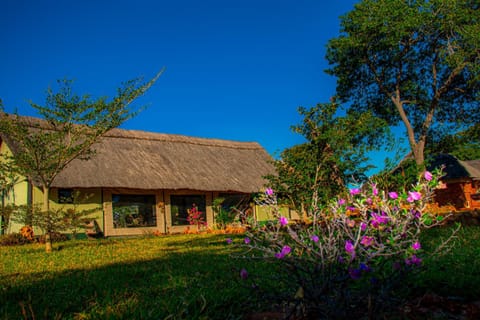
(180, 203)
(65, 195)
(134, 210)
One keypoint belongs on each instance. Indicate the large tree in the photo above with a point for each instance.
(416, 62)
(334, 155)
(71, 124)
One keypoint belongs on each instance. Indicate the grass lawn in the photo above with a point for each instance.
(167, 277)
(175, 277)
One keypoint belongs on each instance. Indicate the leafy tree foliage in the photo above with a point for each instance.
(464, 145)
(411, 62)
(332, 157)
(71, 125)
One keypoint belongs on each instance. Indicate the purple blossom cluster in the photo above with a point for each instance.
(355, 235)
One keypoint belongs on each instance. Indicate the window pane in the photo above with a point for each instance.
(65, 195)
(133, 211)
(180, 204)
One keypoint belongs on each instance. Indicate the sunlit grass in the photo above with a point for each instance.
(149, 278)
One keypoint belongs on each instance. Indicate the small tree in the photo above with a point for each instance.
(331, 158)
(8, 180)
(71, 125)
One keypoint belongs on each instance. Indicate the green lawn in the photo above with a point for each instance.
(173, 277)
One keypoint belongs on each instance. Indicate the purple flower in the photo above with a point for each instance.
(269, 191)
(229, 240)
(428, 176)
(413, 260)
(379, 219)
(355, 274)
(349, 247)
(367, 241)
(369, 201)
(243, 273)
(283, 221)
(393, 195)
(416, 214)
(285, 250)
(314, 238)
(416, 246)
(364, 267)
(363, 226)
(354, 191)
(247, 240)
(341, 202)
(414, 196)
(374, 189)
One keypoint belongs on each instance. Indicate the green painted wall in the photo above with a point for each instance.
(88, 199)
(265, 213)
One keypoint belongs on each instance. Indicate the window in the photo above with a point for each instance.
(65, 195)
(133, 211)
(181, 204)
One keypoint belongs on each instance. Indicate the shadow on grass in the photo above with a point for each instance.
(201, 283)
(179, 285)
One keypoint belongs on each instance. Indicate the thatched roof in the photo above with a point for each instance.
(144, 160)
(457, 169)
(151, 161)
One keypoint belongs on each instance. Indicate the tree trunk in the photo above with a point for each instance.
(46, 210)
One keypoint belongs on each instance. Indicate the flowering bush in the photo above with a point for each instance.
(352, 256)
(196, 217)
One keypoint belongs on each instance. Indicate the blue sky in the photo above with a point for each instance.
(235, 70)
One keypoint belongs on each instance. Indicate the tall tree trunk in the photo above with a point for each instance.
(416, 147)
(46, 210)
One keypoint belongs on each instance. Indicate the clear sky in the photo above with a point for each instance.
(235, 69)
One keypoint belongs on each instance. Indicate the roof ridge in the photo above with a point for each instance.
(119, 133)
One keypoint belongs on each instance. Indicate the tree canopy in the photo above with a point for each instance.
(411, 62)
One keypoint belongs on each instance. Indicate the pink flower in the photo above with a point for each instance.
(363, 226)
(341, 202)
(413, 260)
(379, 219)
(414, 196)
(374, 189)
(269, 191)
(244, 274)
(315, 238)
(283, 221)
(428, 175)
(349, 247)
(416, 246)
(350, 223)
(285, 250)
(393, 195)
(354, 191)
(367, 241)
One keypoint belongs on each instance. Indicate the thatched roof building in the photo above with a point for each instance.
(456, 169)
(145, 160)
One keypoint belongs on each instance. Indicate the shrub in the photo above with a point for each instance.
(351, 258)
(13, 239)
(54, 237)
